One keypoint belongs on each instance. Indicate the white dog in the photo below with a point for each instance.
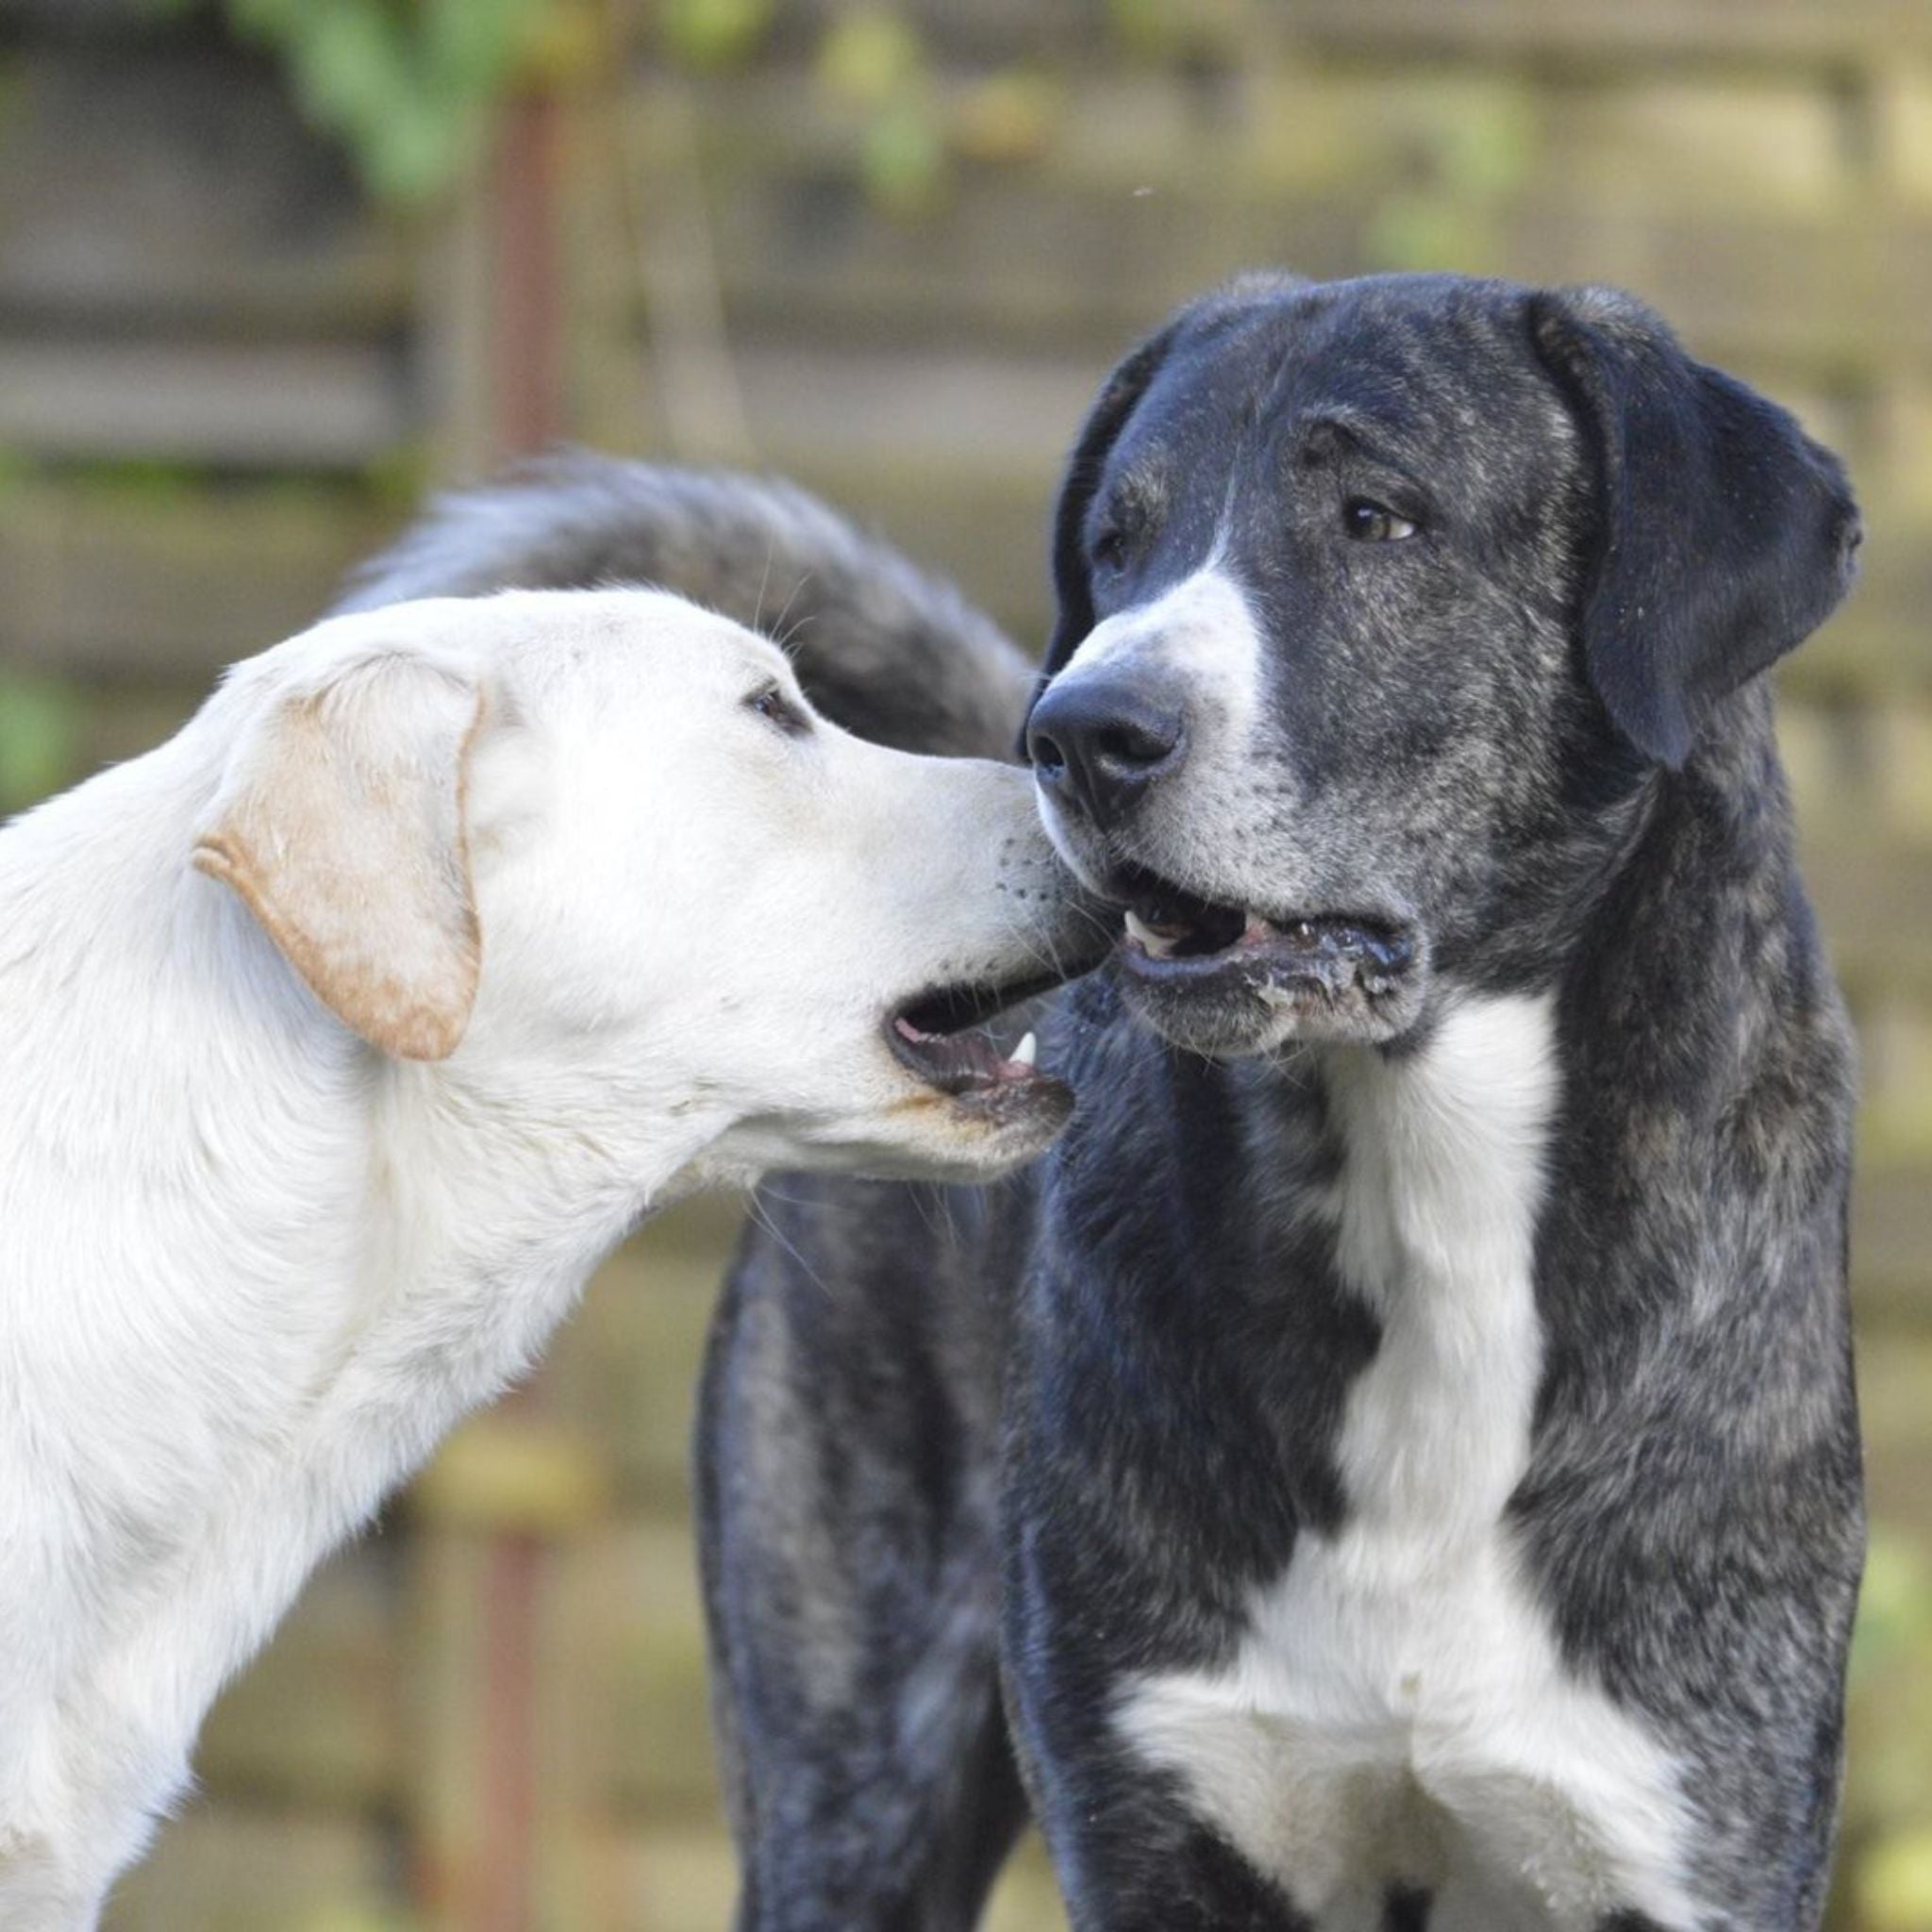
(343, 1034)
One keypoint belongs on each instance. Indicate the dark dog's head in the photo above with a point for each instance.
(1380, 604)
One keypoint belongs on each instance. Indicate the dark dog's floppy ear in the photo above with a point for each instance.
(1119, 393)
(1725, 535)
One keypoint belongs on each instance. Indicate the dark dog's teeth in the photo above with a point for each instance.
(1154, 938)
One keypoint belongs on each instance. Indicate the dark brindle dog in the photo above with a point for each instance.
(1399, 1452)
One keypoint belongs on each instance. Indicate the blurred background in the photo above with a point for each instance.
(271, 268)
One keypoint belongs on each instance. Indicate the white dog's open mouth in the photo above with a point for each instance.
(944, 1038)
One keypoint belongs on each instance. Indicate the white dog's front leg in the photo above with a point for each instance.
(81, 1805)
(56, 1877)
(57, 1880)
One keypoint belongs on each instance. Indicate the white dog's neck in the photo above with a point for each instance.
(439, 1325)
(376, 1283)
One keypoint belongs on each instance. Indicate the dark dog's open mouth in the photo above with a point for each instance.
(942, 1037)
(1172, 936)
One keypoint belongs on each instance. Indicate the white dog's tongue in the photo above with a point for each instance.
(959, 1062)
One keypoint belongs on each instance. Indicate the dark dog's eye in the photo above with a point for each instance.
(1111, 548)
(771, 703)
(1369, 522)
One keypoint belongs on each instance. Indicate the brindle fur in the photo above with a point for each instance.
(1061, 1431)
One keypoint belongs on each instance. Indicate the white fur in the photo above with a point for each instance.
(251, 1268)
(1398, 1711)
(1201, 635)
(1202, 628)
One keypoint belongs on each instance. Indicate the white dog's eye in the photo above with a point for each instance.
(1369, 522)
(771, 703)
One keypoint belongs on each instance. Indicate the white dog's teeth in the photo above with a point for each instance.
(1138, 930)
(1027, 1053)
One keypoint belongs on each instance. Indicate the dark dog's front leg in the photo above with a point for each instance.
(1197, 1885)
(1133, 1860)
(1129, 1854)
(847, 1472)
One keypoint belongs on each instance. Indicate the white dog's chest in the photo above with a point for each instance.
(1398, 1714)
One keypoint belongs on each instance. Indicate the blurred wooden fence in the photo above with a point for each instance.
(889, 253)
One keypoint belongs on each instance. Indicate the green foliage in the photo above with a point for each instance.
(399, 479)
(712, 34)
(17, 469)
(1887, 1861)
(870, 56)
(38, 722)
(1174, 32)
(352, 1918)
(1474, 150)
(1894, 1884)
(1894, 1609)
(407, 85)
(407, 89)
(149, 481)
(12, 71)
(1149, 28)
(873, 64)
(904, 156)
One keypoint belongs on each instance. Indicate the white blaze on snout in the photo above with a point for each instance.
(1201, 645)
(1398, 1709)
(1199, 638)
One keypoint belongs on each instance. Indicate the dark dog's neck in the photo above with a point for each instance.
(1697, 1154)
(1700, 1167)
(1695, 1165)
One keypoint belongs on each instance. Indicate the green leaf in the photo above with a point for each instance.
(406, 90)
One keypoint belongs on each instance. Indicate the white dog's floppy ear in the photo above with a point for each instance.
(340, 823)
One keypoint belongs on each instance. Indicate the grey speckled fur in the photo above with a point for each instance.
(1543, 744)
(879, 642)
(972, 1454)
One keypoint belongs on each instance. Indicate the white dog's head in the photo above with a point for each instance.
(595, 847)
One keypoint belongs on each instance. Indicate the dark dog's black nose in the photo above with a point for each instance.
(1098, 742)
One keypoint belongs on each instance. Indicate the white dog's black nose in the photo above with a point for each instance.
(1098, 742)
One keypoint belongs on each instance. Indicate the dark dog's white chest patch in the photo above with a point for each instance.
(1398, 1712)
